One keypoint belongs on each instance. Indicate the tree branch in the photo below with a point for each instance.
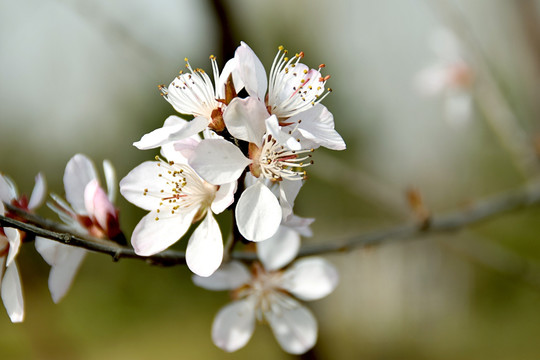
(527, 196)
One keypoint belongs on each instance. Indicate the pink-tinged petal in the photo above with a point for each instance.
(39, 193)
(144, 176)
(65, 261)
(318, 126)
(14, 239)
(181, 151)
(8, 191)
(294, 327)
(245, 119)
(258, 213)
(98, 205)
(218, 161)
(204, 252)
(288, 190)
(152, 236)
(12, 294)
(280, 249)
(224, 197)
(229, 276)
(310, 278)
(233, 325)
(79, 172)
(110, 180)
(251, 71)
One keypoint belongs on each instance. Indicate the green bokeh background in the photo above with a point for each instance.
(81, 76)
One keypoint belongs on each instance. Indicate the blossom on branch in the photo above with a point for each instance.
(89, 210)
(177, 197)
(267, 293)
(10, 242)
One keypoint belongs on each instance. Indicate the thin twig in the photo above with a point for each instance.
(526, 196)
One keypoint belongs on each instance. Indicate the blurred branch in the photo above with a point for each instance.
(482, 210)
(490, 96)
(495, 257)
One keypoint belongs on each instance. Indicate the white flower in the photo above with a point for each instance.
(193, 93)
(450, 77)
(267, 294)
(90, 210)
(177, 197)
(258, 211)
(10, 242)
(294, 95)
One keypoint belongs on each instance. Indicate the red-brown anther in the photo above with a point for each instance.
(217, 124)
(322, 66)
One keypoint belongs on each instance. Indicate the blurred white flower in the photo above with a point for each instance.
(268, 294)
(10, 242)
(177, 197)
(450, 77)
(90, 211)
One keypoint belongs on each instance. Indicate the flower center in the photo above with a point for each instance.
(193, 92)
(276, 162)
(183, 190)
(294, 87)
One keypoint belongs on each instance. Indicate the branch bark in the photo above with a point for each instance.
(486, 209)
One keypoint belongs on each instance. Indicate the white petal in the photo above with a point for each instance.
(458, 107)
(8, 191)
(65, 261)
(318, 125)
(233, 325)
(144, 176)
(273, 128)
(110, 180)
(14, 238)
(245, 119)
(39, 193)
(300, 225)
(79, 172)
(251, 71)
(12, 294)
(229, 67)
(224, 197)
(280, 249)
(152, 236)
(218, 161)
(229, 276)
(310, 278)
(174, 128)
(294, 327)
(288, 190)
(204, 251)
(258, 213)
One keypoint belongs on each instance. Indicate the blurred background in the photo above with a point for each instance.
(453, 113)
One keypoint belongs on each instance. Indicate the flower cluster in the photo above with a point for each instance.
(88, 211)
(246, 148)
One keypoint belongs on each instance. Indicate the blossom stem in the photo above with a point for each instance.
(524, 197)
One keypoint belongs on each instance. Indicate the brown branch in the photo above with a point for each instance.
(526, 196)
